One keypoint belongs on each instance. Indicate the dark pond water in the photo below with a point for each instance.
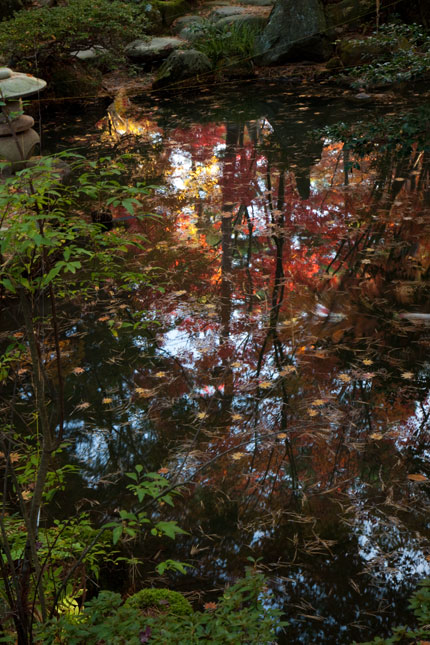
(284, 369)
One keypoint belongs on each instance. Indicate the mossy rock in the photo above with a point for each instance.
(161, 600)
(172, 9)
(353, 53)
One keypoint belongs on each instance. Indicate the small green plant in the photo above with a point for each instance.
(242, 615)
(420, 604)
(163, 600)
(227, 44)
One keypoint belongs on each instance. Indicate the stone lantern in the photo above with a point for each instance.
(17, 138)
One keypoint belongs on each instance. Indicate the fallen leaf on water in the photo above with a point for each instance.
(236, 417)
(367, 361)
(160, 374)
(345, 378)
(265, 385)
(107, 400)
(236, 364)
(282, 435)
(311, 412)
(287, 370)
(318, 402)
(78, 370)
(238, 455)
(143, 393)
(407, 375)
(416, 477)
(377, 436)
(83, 406)
(201, 415)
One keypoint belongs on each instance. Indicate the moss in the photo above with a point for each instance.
(358, 52)
(163, 600)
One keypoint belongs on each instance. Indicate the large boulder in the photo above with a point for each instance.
(296, 31)
(181, 66)
(148, 52)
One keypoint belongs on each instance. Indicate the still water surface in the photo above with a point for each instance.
(284, 368)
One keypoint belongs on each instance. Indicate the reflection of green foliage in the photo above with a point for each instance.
(400, 133)
(404, 55)
(53, 33)
(420, 604)
(241, 616)
(164, 600)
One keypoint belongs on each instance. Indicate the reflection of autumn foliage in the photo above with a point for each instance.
(282, 359)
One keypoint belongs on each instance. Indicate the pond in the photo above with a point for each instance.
(282, 370)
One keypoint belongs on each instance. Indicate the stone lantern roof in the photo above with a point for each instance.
(15, 85)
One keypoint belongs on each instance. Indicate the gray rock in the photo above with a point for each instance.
(223, 12)
(21, 124)
(154, 50)
(181, 66)
(184, 22)
(249, 20)
(27, 142)
(90, 54)
(295, 31)
(191, 33)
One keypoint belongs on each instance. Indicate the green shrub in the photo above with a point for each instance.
(37, 38)
(241, 616)
(164, 600)
(404, 55)
(420, 604)
(226, 44)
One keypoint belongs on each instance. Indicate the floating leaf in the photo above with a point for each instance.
(265, 385)
(345, 378)
(407, 375)
(377, 436)
(78, 370)
(107, 400)
(416, 477)
(238, 455)
(319, 402)
(143, 393)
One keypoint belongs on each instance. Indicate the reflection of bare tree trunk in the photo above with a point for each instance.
(234, 134)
